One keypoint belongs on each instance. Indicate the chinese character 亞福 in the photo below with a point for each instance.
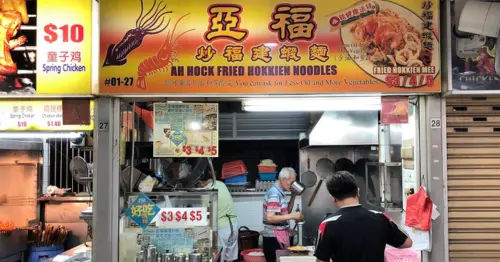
(205, 53)
(261, 52)
(225, 22)
(293, 21)
(233, 53)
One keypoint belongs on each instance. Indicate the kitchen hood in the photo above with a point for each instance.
(338, 128)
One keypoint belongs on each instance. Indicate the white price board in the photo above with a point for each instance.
(46, 115)
(182, 217)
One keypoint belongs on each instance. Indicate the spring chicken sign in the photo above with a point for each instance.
(261, 46)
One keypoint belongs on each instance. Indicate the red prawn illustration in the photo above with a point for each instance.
(165, 56)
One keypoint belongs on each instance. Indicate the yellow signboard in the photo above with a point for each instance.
(49, 47)
(261, 46)
(43, 115)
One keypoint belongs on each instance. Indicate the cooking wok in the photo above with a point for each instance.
(324, 168)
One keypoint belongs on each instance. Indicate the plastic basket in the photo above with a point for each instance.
(267, 176)
(41, 253)
(236, 180)
(233, 168)
(248, 258)
(266, 169)
(401, 255)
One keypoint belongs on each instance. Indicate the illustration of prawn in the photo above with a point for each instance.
(165, 56)
(144, 25)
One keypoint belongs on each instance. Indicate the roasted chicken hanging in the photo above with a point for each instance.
(12, 14)
(15, 5)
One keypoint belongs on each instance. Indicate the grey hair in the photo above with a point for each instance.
(286, 173)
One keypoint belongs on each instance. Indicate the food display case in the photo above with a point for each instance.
(178, 223)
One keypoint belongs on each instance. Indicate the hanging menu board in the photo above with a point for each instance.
(46, 47)
(186, 130)
(261, 46)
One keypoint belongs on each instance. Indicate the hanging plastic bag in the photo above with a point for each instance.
(401, 255)
(419, 210)
(421, 239)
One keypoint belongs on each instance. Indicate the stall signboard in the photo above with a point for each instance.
(142, 210)
(182, 217)
(475, 55)
(45, 115)
(269, 47)
(186, 130)
(47, 47)
(394, 110)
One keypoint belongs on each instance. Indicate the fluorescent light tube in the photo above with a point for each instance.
(41, 135)
(312, 104)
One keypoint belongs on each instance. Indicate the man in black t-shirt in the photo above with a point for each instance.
(355, 234)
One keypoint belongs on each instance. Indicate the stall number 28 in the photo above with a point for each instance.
(435, 122)
(169, 216)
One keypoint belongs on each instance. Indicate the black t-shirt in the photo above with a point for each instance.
(355, 234)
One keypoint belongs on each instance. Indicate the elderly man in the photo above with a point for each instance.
(276, 216)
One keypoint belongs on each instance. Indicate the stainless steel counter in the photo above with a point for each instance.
(79, 253)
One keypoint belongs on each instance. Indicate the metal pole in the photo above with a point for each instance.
(46, 165)
(133, 150)
(60, 163)
(67, 165)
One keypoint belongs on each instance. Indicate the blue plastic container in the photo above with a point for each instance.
(236, 179)
(38, 254)
(267, 176)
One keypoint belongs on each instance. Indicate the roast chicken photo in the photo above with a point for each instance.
(13, 13)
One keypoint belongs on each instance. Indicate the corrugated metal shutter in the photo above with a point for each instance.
(473, 134)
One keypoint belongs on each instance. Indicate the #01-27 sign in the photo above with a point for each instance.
(47, 47)
(261, 46)
(182, 217)
(186, 130)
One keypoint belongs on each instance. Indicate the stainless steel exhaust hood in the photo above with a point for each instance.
(336, 128)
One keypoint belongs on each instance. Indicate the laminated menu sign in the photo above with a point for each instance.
(23, 115)
(394, 110)
(186, 130)
(46, 47)
(262, 46)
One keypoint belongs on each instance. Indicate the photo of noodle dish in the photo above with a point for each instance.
(390, 42)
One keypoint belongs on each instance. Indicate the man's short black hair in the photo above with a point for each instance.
(342, 185)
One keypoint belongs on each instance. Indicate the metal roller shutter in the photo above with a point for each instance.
(473, 137)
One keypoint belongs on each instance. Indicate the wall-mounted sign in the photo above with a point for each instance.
(47, 47)
(142, 210)
(47, 115)
(269, 47)
(474, 41)
(186, 130)
(394, 110)
(182, 217)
